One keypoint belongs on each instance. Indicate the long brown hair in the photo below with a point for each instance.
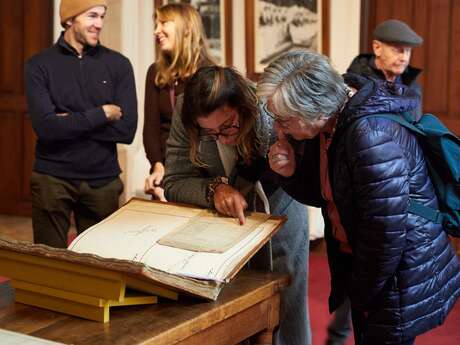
(211, 88)
(191, 47)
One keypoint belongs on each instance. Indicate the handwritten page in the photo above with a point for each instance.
(137, 230)
(211, 232)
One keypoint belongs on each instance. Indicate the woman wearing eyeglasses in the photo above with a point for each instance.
(182, 50)
(216, 148)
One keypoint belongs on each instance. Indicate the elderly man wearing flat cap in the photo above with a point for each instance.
(392, 46)
(82, 102)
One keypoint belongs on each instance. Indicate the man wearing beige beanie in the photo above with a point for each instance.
(82, 102)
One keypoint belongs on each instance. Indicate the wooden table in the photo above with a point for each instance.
(248, 306)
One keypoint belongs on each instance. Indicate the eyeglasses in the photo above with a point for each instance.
(225, 131)
(281, 121)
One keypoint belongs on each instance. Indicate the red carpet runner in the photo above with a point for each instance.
(447, 334)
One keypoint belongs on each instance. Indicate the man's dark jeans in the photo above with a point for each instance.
(54, 200)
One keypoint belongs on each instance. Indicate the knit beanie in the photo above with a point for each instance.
(72, 8)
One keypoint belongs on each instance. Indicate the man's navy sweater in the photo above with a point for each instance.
(65, 94)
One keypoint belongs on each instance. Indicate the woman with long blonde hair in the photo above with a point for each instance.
(182, 49)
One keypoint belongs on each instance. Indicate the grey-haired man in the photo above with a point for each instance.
(392, 49)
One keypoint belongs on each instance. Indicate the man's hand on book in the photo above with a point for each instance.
(229, 201)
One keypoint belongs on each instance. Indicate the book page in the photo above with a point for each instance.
(135, 230)
(211, 232)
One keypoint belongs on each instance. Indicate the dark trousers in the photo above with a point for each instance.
(339, 327)
(359, 325)
(54, 199)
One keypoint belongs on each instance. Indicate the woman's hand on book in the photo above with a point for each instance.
(229, 201)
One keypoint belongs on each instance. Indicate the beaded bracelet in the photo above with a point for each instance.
(211, 189)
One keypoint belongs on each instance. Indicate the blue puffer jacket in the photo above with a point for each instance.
(404, 273)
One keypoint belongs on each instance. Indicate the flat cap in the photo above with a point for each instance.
(396, 31)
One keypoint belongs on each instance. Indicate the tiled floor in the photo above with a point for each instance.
(16, 228)
(20, 228)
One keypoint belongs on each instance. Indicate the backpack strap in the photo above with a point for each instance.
(403, 122)
(426, 212)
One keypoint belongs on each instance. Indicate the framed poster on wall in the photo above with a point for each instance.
(217, 20)
(277, 26)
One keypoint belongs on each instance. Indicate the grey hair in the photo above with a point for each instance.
(303, 84)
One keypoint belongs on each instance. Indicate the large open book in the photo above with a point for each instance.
(177, 247)
(190, 249)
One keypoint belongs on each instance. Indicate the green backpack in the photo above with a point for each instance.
(441, 149)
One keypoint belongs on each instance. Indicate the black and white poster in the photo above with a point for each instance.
(284, 25)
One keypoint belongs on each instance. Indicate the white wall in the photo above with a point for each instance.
(344, 32)
(138, 45)
(238, 36)
(129, 29)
